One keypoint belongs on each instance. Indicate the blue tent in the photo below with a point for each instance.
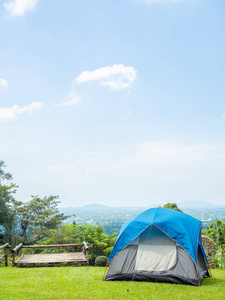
(175, 229)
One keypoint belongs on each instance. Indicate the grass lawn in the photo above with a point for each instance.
(86, 283)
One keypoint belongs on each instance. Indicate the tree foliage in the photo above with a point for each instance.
(36, 217)
(7, 192)
(216, 231)
(172, 206)
(100, 243)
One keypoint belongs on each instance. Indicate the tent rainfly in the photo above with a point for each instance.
(159, 245)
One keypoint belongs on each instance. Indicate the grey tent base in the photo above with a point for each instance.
(153, 278)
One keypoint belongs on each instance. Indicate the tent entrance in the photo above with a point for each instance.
(156, 251)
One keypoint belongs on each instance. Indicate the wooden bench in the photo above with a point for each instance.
(51, 259)
(6, 247)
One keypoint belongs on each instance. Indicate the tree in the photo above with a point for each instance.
(7, 216)
(67, 234)
(172, 206)
(216, 231)
(37, 217)
(100, 242)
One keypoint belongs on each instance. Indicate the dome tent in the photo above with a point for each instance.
(161, 245)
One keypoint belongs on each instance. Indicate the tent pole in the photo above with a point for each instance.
(105, 270)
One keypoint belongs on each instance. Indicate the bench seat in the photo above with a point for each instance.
(71, 257)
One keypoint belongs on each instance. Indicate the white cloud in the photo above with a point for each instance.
(116, 77)
(73, 100)
(20, 7)
(11, 113)
(163, 153)
(3, 83)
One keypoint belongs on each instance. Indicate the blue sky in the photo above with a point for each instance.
(114, 102)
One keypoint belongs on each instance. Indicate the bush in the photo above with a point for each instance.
(92, 258)
(101, 261)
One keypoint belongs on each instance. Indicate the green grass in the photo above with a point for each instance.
(86, 283)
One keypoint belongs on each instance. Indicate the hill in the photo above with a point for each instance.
(112, 218)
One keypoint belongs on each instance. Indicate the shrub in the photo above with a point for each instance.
(101, 261)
